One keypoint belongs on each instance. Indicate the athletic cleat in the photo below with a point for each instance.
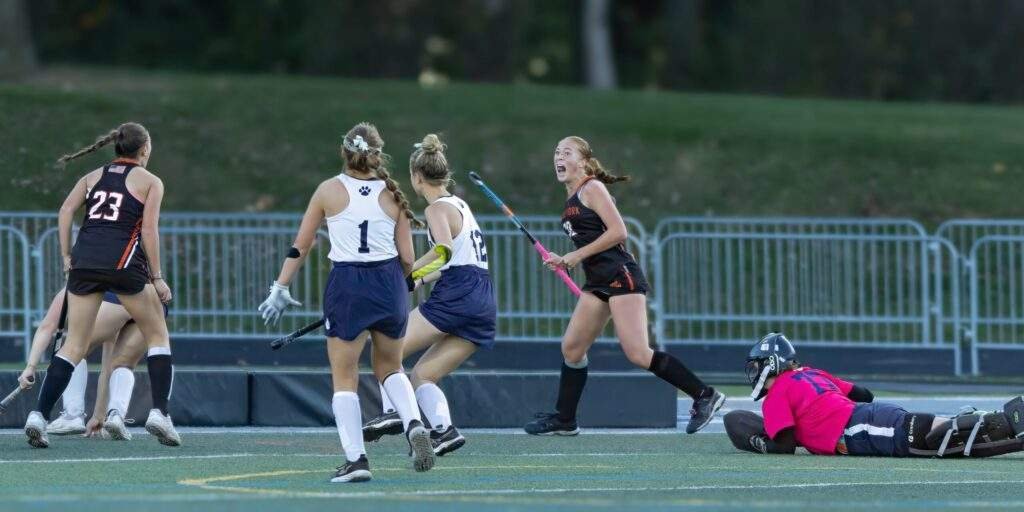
(35, 429)
(548, 424)
(387, 424)
(115, 427)
(420, 445)
(66, 425)
(353, 471)
(160, 426)
(446, 441)
(704, 409)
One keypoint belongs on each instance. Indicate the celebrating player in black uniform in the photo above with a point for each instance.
(615, 288)
(117, 250)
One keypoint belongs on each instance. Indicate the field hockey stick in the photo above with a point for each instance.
(289, 339)
(544, 254)
(9, 398)
(58, 336)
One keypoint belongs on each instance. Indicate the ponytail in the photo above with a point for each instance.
(403, 203)
(100, 142)
(362, 149)
(128, 139)
(592, 166)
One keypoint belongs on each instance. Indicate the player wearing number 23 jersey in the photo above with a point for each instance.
(108, 254)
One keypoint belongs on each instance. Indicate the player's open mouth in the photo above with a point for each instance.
(560, 169)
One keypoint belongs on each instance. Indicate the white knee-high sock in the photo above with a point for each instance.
(434, 405)
(385, 402)
(74, 394)
(349, 419)
(122, 382)
(399, 389)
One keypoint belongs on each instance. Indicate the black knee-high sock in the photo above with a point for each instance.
(570, 389)
(58, 374)
(161, 375)
(674, 372)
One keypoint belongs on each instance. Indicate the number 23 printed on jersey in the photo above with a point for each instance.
(114, 206)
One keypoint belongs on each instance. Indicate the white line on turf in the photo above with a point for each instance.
(283, 493)
(142, 459)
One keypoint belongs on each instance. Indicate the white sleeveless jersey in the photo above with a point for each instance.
(363, 231)
(468, 246)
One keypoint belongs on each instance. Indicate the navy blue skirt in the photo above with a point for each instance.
(462, 304)
(366, 296)
(111, 297)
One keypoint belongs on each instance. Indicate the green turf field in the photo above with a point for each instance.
(263, 142)
(279, 472)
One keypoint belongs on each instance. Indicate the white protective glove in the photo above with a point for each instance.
(278, 300)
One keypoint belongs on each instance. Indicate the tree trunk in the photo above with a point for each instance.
(599, 59)
(17, 53)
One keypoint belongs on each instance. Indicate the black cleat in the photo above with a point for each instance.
(447, 441)
(356, 471)
(420, 445)
(548, 424)
(387, 424)
(704, 408)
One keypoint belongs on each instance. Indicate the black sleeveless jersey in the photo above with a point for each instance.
(110, 237)
(583, 226)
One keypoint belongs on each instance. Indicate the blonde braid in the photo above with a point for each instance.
(403, 203)
(594, 168)
(100, 142)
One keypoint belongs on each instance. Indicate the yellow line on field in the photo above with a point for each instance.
(202, 482)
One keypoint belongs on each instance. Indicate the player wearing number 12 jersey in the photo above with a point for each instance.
(371, 247)
(460, 314)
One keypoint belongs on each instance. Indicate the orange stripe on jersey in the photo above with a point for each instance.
(132, 240)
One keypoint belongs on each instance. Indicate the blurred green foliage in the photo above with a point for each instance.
(961, 50)
(234, 142)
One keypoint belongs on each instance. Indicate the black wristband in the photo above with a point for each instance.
(294, 253)
(410, 282)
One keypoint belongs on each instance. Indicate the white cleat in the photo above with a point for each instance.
(115, 427)
(160, 426)
(66, 425)
(35, 429)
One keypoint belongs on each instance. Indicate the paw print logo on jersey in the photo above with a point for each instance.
(364, 190)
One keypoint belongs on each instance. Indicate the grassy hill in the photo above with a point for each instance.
(241, 142)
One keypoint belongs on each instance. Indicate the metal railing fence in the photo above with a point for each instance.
(996, 277)
(826, 281)
(821, 289)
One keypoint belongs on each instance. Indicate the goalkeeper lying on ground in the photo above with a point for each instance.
(829, 416)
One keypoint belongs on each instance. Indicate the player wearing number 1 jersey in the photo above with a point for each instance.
(371, 247)
(460, 314)
(118, 251)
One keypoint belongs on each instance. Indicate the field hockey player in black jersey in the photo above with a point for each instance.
(615, 289)
(118, 251)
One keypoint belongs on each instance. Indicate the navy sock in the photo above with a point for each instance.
(570, 389)
(58, 374)
(161, 375)
(673, 371)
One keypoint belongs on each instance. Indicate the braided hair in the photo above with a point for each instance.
(592, 166)
(128, 139)
(361, 148)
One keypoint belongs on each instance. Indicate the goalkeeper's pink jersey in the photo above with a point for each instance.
(814, 403)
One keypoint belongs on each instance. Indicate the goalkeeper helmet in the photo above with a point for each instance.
(770, 357)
